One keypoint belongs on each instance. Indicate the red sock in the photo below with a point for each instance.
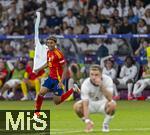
(66, 95)
(38, 104)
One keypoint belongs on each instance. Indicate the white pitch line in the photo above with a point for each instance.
(68, 131)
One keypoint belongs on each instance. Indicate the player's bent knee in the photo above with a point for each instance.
(111, 107)
(77, 106)
(43, 91)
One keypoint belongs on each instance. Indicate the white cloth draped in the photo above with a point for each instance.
(40, 57)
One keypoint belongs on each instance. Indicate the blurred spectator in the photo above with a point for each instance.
(133, 19)
(78, 27)
(111, 24)
(112, 48)
(53, 20)
(31, 80)
(93, 26)
(82, 16)
(1, 11)
(125, 28)
(76, 6)
(107, 63)
(124, 48)
(141, 51)
(107, 10)
(144, 82)
(141, 27)
(70, 18)
(102, 51)
(8, 51)
(3, 72)
(14, 82)
(108, 66)
(123, 7)
(43, 22)
(127, 75)
(138, 9)
(102, 30)
(51, 4)
(146, 16)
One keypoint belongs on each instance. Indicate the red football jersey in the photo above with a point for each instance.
(55, 60)
(4, 72)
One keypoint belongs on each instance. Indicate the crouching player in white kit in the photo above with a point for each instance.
(96, 97)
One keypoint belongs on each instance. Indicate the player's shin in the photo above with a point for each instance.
(66, 95)
(105, 126)
(38, 103)
(130, 85)
(107, 119)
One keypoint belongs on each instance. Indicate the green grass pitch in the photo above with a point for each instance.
(131, 118)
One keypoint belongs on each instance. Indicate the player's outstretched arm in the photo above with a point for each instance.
(85, 109)
(37, 23)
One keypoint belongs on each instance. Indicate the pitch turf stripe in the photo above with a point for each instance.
(68, 131)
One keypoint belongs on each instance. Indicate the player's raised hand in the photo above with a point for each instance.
(98, 81)
(38, 14)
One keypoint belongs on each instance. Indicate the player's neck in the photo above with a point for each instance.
(53, 49)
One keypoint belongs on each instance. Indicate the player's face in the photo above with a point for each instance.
(51, 44)
(109, 64)
(95, 76)
(129, 62)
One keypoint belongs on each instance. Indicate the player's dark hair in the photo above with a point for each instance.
(96, 67)
(131, 58)
(52, 38)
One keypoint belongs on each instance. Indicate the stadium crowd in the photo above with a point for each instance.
(77, 17)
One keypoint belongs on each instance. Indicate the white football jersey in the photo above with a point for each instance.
(93, 93)
(111, 73)
(128, 73)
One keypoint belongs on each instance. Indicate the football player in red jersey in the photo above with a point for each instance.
(58, 68)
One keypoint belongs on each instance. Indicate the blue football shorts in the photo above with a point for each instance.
(52, 84)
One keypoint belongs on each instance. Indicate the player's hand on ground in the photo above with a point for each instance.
(89, 126)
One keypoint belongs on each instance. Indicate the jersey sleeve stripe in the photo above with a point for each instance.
(58, 54)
